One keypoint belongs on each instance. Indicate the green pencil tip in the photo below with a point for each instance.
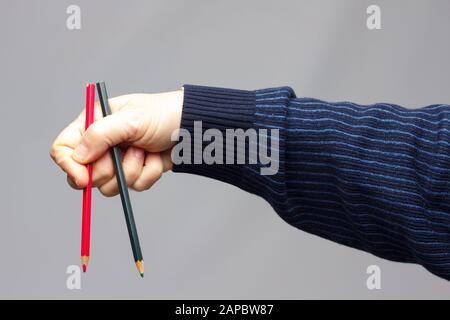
(142, 275)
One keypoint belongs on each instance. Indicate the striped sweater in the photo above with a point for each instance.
(372, 177)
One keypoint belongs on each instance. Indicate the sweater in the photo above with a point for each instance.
(372, 177)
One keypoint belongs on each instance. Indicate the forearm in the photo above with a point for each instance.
(370, 177)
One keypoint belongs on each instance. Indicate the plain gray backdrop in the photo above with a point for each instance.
(232, 245)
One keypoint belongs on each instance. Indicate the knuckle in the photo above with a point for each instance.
(106, 192)
(140, 186)
(61, 162)
(53, 152)
(158, 175)
(158, 171)
(134, 122)
(96, 130)
(103, 172)
(98, 133)
(133, 173)
(72, 183)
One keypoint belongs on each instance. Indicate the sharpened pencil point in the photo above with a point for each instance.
(140, 267)
(84, 262)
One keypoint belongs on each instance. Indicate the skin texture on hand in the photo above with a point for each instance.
(141, 124)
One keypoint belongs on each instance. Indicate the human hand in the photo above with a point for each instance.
(141, 124)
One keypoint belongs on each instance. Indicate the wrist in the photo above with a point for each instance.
(206, 108)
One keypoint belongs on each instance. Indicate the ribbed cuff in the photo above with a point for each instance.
(215, 108)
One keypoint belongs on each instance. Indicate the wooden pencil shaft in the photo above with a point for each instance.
(87, 191)
(126, 203)
(121, 181)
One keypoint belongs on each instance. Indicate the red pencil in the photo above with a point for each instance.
(87, 192)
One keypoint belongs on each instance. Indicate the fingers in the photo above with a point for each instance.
(63, 147)
(102, 170)
(132, 163)
(151, 172)
(61, 152)
(141, 171)
(72, 183)
(107, 132)
(77, 172)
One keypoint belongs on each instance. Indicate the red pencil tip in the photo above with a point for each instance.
(84, 262)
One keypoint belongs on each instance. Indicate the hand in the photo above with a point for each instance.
(141, 124)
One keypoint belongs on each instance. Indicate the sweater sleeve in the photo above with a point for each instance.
(372, 177)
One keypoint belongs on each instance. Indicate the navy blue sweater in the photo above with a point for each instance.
(373, 177)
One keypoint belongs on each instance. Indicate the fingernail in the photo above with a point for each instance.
(81, 151)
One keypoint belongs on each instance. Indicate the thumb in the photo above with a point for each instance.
(122, 126)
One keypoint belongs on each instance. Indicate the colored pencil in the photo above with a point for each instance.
(123, 189)
(87, 191)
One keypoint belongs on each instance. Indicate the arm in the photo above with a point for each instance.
(375, 177)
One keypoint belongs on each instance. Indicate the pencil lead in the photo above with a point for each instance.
(140, 267)
(84, 268)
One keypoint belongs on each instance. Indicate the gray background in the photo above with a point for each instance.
(231, 245)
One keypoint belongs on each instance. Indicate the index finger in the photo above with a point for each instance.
(62, 149)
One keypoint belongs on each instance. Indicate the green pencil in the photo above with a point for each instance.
(123, 189)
